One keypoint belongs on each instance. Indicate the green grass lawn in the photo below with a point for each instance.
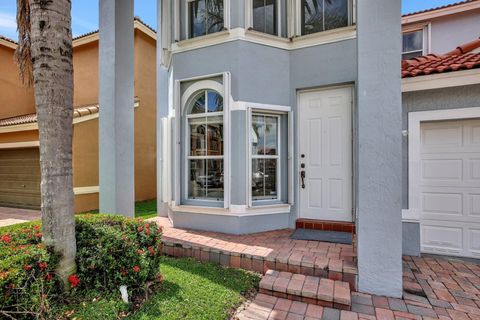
(144, 209)
(191, 290)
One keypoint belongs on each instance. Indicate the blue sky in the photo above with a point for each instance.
(85, 13)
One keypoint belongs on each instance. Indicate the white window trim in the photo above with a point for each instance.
(249, 16)
(277, 157)
(275, 110)
(297, 18)
(414, 170)
(202, 83)
(226, 19)
(426, 36)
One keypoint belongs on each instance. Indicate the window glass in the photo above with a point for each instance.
(322, 15)
(412, 44)
(206, 16)
(264, 16)
(205, 157)
(265, 159)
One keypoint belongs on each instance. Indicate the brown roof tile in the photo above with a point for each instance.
(32, 117)
(459, 59)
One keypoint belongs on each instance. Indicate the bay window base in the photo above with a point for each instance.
(232, 221)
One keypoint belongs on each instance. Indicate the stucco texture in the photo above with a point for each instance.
(18, 100)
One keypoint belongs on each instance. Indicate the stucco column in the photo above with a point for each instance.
(379, 190)
(116, 94)
(162, 111)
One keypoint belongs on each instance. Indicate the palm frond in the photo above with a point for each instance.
(23, 54)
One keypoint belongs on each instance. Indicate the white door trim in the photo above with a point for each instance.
(414, 121)
(296, 167)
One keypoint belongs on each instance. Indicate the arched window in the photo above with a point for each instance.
(205, 146)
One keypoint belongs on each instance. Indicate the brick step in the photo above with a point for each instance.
(308, 289)
(325, 225)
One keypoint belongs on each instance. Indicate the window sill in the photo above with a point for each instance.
(266, 39)
(324, 37)
(235, 211)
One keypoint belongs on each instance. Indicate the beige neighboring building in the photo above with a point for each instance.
(19, 154)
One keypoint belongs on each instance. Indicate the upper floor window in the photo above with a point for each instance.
(323, 15)
(205, 17)
(265, 16)
(412, 44)
(205, 152)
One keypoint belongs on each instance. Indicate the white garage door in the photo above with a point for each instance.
(450, 187)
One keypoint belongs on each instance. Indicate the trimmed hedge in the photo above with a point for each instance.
(111, 251)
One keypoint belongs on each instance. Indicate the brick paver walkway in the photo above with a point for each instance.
(11, 216)
(260, 252)
(435, 288)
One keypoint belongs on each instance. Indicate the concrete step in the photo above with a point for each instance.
(308, 289)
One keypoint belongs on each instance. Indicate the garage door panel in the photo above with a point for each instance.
(450, 187)
(443, 203)
(474, 242)
(20, 178)
(442, 169)
(437, 237)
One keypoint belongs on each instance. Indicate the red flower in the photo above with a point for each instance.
(74, 280)
(49, 277)
(42, 265)
(147, 231)
(136, 269)
(27, 267)
(36, 228)
(6, 238)
(147, 225)
(38, 235)
(151, 250)
(140, 251)
(139, 229)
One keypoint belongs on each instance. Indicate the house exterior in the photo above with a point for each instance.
(438, 30)
(441, 152)
(272, 114)
(19, 156)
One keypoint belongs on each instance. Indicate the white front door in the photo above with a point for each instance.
(325, 154)
(450, 187)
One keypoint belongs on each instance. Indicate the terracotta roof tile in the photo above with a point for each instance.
(80, 111)
(96, 31)
(8, 39)
(438, 8)
(459, 59)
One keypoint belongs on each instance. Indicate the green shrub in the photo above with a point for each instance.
(111, 251)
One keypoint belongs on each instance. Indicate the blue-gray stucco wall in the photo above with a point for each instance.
(265, 74)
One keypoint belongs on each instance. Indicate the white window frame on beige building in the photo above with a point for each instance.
(415, 120)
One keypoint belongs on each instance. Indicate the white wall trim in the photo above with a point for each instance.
(243, 105)
(315, 39)
(422, 16)
(235, 211)
(19, 145)
(414, 166)
(86, 190)
(441, 80)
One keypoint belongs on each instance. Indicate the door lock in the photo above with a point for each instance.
(302, 176)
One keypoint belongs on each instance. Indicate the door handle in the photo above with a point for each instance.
(302, 176)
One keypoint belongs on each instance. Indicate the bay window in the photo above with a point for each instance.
(205, 17)
(265, 156)
(264, 16)
(205, 158)
(323, 15)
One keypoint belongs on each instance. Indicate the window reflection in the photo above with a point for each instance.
(264, 16)
(206, 16)
(323, 15)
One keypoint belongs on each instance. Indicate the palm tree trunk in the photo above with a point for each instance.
(51, 53)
